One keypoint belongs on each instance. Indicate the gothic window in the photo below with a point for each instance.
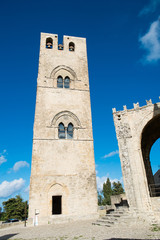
(61, 131)
(71, 46)
(60, 82)
(70, 131)
(49, 43)
(64, 132)
(67, 82)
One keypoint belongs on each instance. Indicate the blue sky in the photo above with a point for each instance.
(123, 45)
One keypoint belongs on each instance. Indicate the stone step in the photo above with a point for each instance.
(118, 212)
(101, 224)
(105, 221)
(115, 217)
(110, 218)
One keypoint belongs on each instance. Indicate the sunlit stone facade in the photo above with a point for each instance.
(63, 180)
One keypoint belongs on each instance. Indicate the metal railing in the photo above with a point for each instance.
(154, 190)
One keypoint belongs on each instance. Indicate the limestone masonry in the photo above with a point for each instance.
(137, 129)
(63, 180)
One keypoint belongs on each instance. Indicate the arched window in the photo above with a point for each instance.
(49, 43)
(67, 82)
(70, 131)
(60, 82)
(71, 46)
(61, 131)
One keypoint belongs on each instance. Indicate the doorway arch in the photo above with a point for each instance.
(150, 134)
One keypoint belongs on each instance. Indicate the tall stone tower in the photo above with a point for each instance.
(63, 180)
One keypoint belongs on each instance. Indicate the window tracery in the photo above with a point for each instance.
(63, 83)
(65, 132)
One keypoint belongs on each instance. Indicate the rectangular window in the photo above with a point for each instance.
(56, 205)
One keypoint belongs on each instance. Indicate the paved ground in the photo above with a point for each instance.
(83, 230)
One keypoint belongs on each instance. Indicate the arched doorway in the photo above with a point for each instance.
(150, 134)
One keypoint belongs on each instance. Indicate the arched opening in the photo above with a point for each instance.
(60, 47)
(61, 131)
(150, 134)
(60, 82)
(71, 47)
(70, 131)
(49, 43)
(66, 82)
(155, 165)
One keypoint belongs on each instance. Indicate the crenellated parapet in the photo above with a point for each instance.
(136, 106)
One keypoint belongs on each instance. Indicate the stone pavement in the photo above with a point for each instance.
(80, 230)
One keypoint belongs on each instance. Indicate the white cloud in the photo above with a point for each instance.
(27, 189)
(8, 188)
(19, 165)
(111, 154)
(150, 8)
(2, 159)
(151, 43)
(101, 180)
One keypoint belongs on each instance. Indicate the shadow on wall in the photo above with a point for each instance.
(8, 236)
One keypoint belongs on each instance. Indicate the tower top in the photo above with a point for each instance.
(72, 44)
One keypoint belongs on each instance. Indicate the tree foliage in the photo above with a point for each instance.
(1, 214)
(104, 197)
(117, 188)
(107, 192)
(15, 208)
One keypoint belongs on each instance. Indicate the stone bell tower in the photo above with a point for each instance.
(63, 180)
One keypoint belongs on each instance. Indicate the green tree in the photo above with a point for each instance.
(15, 208)
(107, 192)
(117, 188)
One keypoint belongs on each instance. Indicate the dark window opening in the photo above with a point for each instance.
(71, 46)
(61, 131)
(67, 82)
(49, 43)
(70, 131)
(60, 82)
(56, 205)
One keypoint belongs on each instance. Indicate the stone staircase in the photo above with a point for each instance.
(124, 217)
(113, 218)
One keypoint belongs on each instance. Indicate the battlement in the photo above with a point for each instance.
(49, 42)
(135, 105)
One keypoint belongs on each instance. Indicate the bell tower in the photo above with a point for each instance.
(63, 179)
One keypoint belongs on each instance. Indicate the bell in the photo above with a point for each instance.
(71, 48)
(49, 44)
(60, 47)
